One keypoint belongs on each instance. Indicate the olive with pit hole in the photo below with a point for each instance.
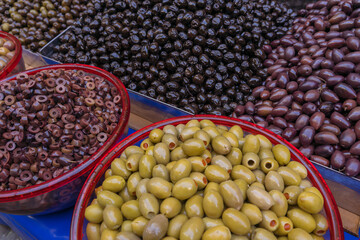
(192, 229)
(218, 232)
(281, 205)
(216, 174)
(184, 188)
(231, 194)
(236, 221)
(252, 212)
(175, 225)
(194, 206)
(156, 228)
(213, 204)
(251, 160)
(148, 205)
(269, 164)
(181, 169)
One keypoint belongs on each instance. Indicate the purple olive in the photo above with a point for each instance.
(352, 167)
(337, 160)
(320, 160)
(347, 138)
(307, 135)
(317, 120)
(355, 148)
(326, 138)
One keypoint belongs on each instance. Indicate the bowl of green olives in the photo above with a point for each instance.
(11, 61)
(205, 177)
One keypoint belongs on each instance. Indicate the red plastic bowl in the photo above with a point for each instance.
(61, 192)
(16, 64)
(78, 224)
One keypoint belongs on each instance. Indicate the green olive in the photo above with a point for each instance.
(181, 169)
(132, 150)
(146, 143)
(93, 231)
(252, 212)
(222, 128)
(268, 164)
(212, 131)
(316, 237)
(126, 195)
(285, 226)
(106, 197)
(148, 205)
(200, 179)
(161, 153)
(242, 172)
(274, 181)
(257, 184)
(280, 206)
(235, 156)
(132, 162)
(265, 153)
(206, 123)
(251, 144)
(305, 184)
(212, 222)
(126, 236)
(292, 193)
(159, 187)
(156, 228)
(94, 213)
(251, 160)
(150, 151)
(281, 154)
(302, 219)
(221, 145)
(237, 130)
(203, 136)
(192, 229)
(112, 217)
(177, 154)
(108, 173)
(299, 168)
(262, 234)
(146, 165)
(130, 209)
(114, 183)
(175, 225)
(223, 162)
(264, 142)
(184, 188)
(170, 165)
(299, 234)
(161, 171)
(259, 197)
(213, 204)
(231, 137)
(193, 123)
(170, 140)
(321, 224)
(180, 128)
(171, 129)
(193, 147)
(282, 238)
(218, 232)
(103, 227)
(243, 186)
(212, 186)
(231, 194)
(198, 164)
(236, 221)
(194, 206)
(132, 182)
(216, 174)
(170, 207)
(241, 142)
(316, 191)
(169, 238)
(156, 135)
(207, 156)
(126, 226)
(118, 167)
(108, 234)
(309, 202)
(290, 176)
(269, 220)
(237, 237)
(188, 133)
(259, 175)
(138, 225)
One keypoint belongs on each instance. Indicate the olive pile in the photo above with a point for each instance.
(7, 52)
(204, 56)
(36, 22)
(202, 181)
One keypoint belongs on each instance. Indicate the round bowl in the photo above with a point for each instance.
(61, 192)
(78, 224)
(16, 64)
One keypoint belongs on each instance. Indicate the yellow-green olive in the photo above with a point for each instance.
(273, 181)
(212, 222)
(264, 142)
(146, 143)
(218, 232)
(126, 226)
(126, 236)
(180, 128)
(235, 156)
(242, 172)
(161, 153)
(206, 123)
(231, 194)
(257, 184)
(181, 169)
(259, 197)
(114, 183)
(222, 128)
(170, 165)
(132, 162)
(150, 151)
(198, 164)
(159, 187)
(207, 156)
(138, 225)
(321, 224)
(177, 154)
(241, 142)
(194, 206)
(302, 219)
(243, 186)
(309, 202)
(231, 137)
(299, 168)
(251, 144)
(237, 130)
(305, 184)
(108, 234)
(188, 133)
(285, 226)
(94, 213)
(170, 140)
(156, 135)
(146, 165)
(161, 171)
(290, 176)
(212, 186)
(132, 182)
(216, 174)
(259, 175)
(269, 220)
(193, 147)
(103, 227)
(130, 209)
(268, 164)
(192, 229)
(108, 173)
(251, 160)
(148, 205)
(184, 188)
(213, 204)
(316, 237)
(252, 212)
(262, 234)
(112, 217)
(236, 221)
(200, 179)
(292, 193)
(299, 234)
(171, 129)
(175, 225)
(156, 228)
(282, 238)
(132, 150)
(126, 195)
(193, 123)
(212, 131)
(169, 238)
(93, 231)
(170, 207)
(223, 162)
(265, 153)
(221, 145)
(118, 167)
(316, 191)
(203, 136)
(106, 197)
(281, 154)
(280, 206)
